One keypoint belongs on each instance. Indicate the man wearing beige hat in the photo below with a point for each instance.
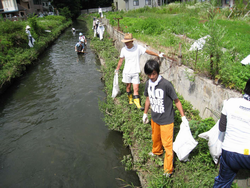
(131, 53)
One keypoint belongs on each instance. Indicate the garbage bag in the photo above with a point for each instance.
(31, 42)
(215, 138)
(198, 44)
(116, 89)
(100, 31)
(246, 60)
(184, 143)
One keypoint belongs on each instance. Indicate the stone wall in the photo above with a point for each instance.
(201, 92)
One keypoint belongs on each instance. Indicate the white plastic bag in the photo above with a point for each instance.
(184, 143)
(100, 31)
(246, 60)
(215, 138)
(116, 89)
(198, 44)
(31, 44)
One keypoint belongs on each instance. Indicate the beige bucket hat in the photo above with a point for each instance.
(128, 37)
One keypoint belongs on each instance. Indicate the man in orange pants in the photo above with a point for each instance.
(160, 95)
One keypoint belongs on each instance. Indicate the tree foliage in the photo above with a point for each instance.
(74, 6)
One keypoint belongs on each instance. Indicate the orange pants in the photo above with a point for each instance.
(162, 135)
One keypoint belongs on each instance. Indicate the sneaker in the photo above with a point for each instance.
(151, 154)
(167, 175)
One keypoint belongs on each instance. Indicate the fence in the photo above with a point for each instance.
(92, 10)
(22, 18)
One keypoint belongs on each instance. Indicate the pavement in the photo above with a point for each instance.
(243, 179)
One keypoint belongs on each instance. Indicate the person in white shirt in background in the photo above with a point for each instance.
(100, 12)
(101, 30)
(82, 37)
(31, 39)
(73, 31)
(96, 27)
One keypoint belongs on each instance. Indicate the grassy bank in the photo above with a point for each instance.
(165, 27)
(119, 116)
(15, 53)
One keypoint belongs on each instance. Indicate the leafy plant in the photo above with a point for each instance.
(65, 12)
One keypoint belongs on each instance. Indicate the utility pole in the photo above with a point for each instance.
(118, 23)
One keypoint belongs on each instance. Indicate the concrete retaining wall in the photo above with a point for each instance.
(201, 92)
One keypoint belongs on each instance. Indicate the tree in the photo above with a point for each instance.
(74, 6)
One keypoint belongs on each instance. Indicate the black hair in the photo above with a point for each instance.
(150, 66)
(247, 88)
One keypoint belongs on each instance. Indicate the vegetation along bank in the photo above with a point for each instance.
(165, 27)
(200, 171)
(15, 52)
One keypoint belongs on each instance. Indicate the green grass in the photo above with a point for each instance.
(159, 26)
(15, 53)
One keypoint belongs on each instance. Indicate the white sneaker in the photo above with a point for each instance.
(167, 175)
(151, 154)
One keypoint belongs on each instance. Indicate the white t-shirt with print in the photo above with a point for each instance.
(237, 136)
(132, 58)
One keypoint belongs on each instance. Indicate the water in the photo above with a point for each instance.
(51, 130)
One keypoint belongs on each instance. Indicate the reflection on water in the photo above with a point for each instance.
(51, 129)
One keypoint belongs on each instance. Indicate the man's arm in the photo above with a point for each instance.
(152, 53)
(223, 123)
(145, 115)
(179, 106)
(119, 63)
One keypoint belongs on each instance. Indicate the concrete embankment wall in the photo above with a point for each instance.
(201, 92)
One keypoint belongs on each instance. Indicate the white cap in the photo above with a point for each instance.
(27, 27)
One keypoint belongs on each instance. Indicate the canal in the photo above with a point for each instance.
(51, 129)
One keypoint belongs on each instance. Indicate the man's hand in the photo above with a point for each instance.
(145, 118)
(116, 71)
(161, 54)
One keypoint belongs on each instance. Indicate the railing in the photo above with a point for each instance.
(93, 10)
(15, 18)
